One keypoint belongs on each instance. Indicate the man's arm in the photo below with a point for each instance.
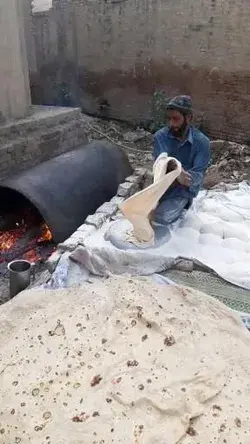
(159, 144)
(201, 162)
(156, 147)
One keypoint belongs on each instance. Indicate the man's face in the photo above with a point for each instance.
(177, 122)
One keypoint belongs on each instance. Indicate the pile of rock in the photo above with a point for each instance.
(230, 163)
(230, 160)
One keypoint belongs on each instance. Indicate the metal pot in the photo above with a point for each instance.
(21, 272)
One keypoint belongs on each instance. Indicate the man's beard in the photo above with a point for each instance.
(180, 132)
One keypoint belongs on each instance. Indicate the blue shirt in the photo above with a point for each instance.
(193, 153)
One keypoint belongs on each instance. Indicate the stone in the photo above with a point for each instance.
(68, 245)
(141, 172)
(213, 177)
(108, 208)
(149, 179)
(224, 150)
(236, 174)
(117, 216)
(222, 164)
(126, 189)
(40, 279)
(77, 238)
(117, 200)
(53, 260)
(96, 219)
(86, 230)
(135, 136)
(134, 179)
(148, 157)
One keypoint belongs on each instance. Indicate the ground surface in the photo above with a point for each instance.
(230, 161)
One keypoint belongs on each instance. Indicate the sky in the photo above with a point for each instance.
(42, 5)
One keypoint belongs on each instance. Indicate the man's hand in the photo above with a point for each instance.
(184, 178)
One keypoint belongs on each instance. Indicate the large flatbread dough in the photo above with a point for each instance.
(124, 361)
(137, 208)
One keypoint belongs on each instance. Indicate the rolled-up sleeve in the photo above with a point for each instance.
(200, 165)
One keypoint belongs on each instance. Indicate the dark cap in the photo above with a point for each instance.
(182, 104)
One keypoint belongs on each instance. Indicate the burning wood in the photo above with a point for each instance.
(16, 246)
(25, 240)
(46, 234)
(9, 238)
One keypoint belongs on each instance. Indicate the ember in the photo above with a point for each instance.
(32, 256)
(28, 238)
(9, 238)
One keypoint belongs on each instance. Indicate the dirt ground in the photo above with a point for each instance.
(230, 160)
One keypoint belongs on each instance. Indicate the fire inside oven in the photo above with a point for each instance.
(23, 232)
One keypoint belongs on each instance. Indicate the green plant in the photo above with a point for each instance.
(159, 110)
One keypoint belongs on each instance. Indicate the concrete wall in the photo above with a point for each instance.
(111, 56)
(14, 77)
(28, 37)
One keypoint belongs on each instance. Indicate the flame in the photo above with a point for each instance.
(46, 234)
(9, 238)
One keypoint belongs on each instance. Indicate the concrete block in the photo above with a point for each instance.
(79, 237)
(40, 279)
(96, 219)
(118, 215)
(108, 208)
(126, 189)
(134, 179)
(86, 230)
(117, 200)
(53, 260)
(69, 245)
(140, 172)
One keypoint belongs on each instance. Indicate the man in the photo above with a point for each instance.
(188, 145)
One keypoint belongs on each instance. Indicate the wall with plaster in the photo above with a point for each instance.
(14, 77)
(41, 5)
(110, 56)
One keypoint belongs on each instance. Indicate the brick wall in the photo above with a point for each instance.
(111, 56)
(45, 133)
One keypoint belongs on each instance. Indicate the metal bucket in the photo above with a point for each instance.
(21, 272)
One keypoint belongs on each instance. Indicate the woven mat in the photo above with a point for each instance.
(234, 297)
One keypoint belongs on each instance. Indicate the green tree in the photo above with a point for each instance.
(159, 110)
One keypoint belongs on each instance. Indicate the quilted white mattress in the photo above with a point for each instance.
(215, 231)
